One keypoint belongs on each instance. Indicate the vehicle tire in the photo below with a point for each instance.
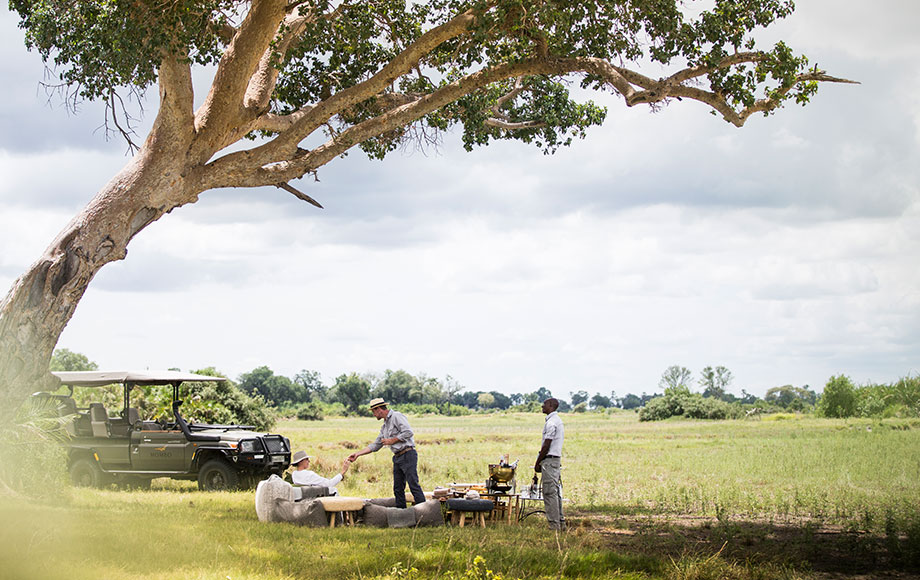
(217, 475)
(86, 473)
(248, 481)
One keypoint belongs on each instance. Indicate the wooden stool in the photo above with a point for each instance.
(345, 505)
(504, 506)
(477, 508)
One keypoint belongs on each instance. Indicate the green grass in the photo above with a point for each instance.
(834, 470)
(860, 475)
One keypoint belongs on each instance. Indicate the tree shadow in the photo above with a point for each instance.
(829, 551)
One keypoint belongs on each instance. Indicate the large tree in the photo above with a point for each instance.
(675, 378)
(714, 381)
(307, 80)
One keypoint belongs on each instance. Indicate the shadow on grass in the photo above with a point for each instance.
(806, 546)
(164, 535)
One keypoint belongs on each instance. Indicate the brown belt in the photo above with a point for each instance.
(403, 450)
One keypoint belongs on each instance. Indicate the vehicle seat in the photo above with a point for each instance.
(81, 425)
(99, 420)
(67, 406)
(133, 416)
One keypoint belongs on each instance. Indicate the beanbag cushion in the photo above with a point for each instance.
(383, 501)
(275, 503)
(400, 517)
(428, 513)
(375, 515)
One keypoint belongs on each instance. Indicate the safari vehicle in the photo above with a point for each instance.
(130, 451)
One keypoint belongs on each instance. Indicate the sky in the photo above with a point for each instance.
(785, 251)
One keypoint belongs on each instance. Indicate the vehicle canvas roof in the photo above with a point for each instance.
(102, 378)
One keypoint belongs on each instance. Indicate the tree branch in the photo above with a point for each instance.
(277, 123)
(262, 83)
(223, 108)
(511, 126)
(651, 91)
(249, 169)
(404, 62)
(174, 124)
(298, 194)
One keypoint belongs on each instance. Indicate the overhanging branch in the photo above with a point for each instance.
(298, 194)
(251, 170)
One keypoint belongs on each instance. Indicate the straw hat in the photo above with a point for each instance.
(378, 402)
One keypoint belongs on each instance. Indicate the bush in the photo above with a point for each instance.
(699, 407)
(32, 460)
(839, 398)
(455, 410)
(660, 408)
(906, 392)
(310, 412)
(683, 403)
(529, 407)
(416, 409)
(872, 400)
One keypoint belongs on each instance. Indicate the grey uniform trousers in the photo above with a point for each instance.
(551, 468)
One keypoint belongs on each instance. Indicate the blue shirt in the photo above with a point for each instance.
(394, 425)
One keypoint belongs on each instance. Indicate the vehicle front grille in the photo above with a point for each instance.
(274, 444)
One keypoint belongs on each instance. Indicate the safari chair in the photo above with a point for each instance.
(99, 420)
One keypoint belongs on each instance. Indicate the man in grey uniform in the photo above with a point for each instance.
(396, 433)
(549, 463)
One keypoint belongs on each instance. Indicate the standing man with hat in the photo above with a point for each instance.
(302, 475)
(549, 463)
(396, 433)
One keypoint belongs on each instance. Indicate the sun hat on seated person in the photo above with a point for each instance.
(378, 402)
(298, 457)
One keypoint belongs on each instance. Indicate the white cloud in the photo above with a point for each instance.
(885, 29)
(783, 250)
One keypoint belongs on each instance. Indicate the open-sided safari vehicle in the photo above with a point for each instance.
(128, 450)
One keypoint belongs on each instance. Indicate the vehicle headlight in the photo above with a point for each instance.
(249, 446)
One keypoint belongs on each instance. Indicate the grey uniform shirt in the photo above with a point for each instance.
(553, 429)
(395, 425)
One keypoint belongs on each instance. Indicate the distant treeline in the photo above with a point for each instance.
(259, 396)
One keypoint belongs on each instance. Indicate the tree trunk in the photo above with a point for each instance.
(42, 301)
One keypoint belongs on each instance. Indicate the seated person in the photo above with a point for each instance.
(303, 476)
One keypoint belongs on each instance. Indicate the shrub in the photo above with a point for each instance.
(872, 400)
(699, 407)
(310, 412)
(455, 410)
(661, 408)
(839, 398)
(416, 409)
(907, 392)
(681, 402)
(31, 459)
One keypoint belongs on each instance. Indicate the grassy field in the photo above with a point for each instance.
(779, 497)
